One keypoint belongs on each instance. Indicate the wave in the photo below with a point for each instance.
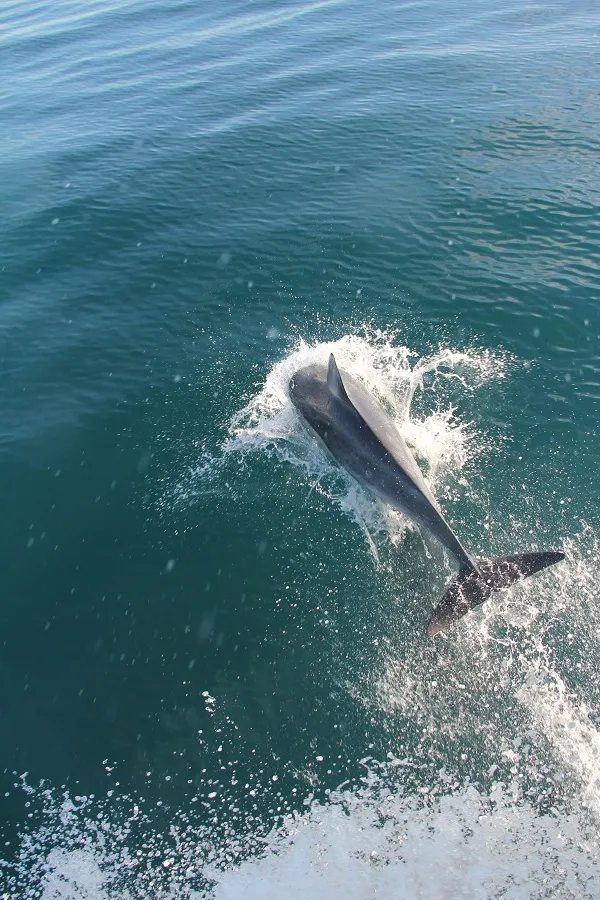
(375, 840)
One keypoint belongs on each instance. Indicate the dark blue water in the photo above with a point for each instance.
(212, 641)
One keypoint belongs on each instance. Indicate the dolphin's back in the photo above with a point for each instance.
(379, 422)
(317, 388)
(358, 431)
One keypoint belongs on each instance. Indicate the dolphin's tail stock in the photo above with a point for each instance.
(470, 587)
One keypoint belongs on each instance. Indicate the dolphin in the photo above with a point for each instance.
(358, 432)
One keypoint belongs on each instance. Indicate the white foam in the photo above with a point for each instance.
(567, 725)
(460, 846)
(73, 874)
(376, 840)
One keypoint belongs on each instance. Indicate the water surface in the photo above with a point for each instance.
(205, 626)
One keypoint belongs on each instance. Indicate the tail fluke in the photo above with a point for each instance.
(469, 588)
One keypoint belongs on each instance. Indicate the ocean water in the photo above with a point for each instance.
(215, 680)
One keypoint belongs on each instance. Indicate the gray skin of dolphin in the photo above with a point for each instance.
(359, 434)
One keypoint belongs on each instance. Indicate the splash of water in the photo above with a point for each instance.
(462, 845)
(518, 693)
(394, 374)
(376, 839)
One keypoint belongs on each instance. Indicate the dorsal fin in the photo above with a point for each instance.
(334, 380)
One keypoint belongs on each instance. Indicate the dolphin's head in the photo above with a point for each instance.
(309, 394)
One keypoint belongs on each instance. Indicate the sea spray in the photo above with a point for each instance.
(376, 837)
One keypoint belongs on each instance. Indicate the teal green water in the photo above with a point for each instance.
(201, 618)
